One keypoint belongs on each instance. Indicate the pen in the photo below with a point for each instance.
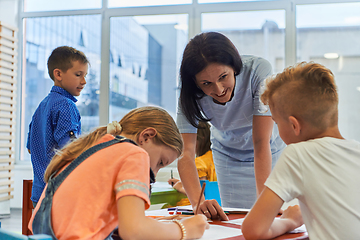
(181, 213)
(172, 183)
(175, 212)
(187, 213)
(202, 192)
(180, 209)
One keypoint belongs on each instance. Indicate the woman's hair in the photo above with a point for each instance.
(306, 91)
(132, 123)
(202, 50)
(203, 138)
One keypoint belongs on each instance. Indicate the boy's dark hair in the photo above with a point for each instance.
(203, 139)
(306, 91)
(204, 49)
(63, 58)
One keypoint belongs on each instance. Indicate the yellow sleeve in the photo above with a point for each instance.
(205, 166)
(201, 167)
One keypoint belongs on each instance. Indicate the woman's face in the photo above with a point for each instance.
(217, 81)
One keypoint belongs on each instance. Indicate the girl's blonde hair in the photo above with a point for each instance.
(132, 123)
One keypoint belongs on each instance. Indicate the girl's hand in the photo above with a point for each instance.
(177, 184)
(293, 213)
(195, 226)
(211, 209)
(173, 181)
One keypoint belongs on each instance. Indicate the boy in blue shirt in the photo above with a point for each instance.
(56, 120)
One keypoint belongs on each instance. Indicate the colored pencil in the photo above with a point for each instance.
(202, 192)
(172, 176)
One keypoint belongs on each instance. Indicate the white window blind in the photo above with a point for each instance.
(8, 55)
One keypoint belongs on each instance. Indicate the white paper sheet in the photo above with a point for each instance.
(229, 209)
(220, 232)
(300, 229)
(239, 221)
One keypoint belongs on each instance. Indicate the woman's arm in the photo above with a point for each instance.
(260, 222)
(187, 169)
(262, 130)
(190, 180)
(133, 224)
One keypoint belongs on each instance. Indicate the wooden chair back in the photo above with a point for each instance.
(27, 206)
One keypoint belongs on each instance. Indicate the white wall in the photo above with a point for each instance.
(8, 11)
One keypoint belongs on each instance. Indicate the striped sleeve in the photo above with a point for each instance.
(133, 178)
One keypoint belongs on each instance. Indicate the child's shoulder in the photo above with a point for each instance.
(324, 144)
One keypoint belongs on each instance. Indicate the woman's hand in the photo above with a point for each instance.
(195, 226)
(211, 209)
(293, 213)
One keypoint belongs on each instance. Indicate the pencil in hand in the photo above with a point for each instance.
(202, 192)
(172, 176)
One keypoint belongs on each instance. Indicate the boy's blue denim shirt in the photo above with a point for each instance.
(54, 121)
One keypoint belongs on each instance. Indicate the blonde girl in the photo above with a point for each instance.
(107, 182)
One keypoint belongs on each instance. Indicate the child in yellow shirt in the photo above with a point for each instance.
(204, 162)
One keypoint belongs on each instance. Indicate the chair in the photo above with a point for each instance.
(8, 235)
(27, 206)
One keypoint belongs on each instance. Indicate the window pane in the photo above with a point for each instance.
(224, 1)
(329, 34)
(259, 33)
(54, 5)
(145, 54)
(42, 35)
(144, 3)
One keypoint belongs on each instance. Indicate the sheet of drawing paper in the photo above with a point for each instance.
(239, 221)
(220, 232)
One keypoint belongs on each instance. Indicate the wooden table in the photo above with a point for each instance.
(297, 236)
(287, 236)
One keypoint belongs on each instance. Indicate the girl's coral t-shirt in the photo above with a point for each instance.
(84, 206)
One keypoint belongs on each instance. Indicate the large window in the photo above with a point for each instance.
(329, 34)
(226, 1)
(145, 52)
(140, 3)
(260, 33)
(55, 5)
(41, 36)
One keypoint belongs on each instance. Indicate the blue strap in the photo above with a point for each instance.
(55, 182)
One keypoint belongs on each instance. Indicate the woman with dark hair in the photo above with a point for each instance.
(219, 86)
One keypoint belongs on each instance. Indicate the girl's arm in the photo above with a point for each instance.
(262, 130)
(133, 224)
(260, 222)
(190, 179)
